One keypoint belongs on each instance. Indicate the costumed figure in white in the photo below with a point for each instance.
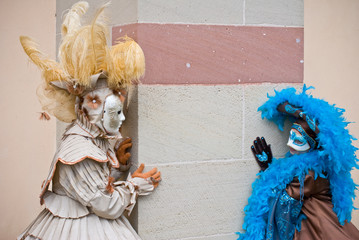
(87, 87)
(309, 193)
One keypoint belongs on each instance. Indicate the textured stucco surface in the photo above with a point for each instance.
(197, 137)
(189, 123)
(197, 200)
(189, 11)
(275, 12)
(227, 12)
(198, 122)
(212, 54)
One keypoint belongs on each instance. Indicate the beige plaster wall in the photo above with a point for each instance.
(331, 58)
(26, 144)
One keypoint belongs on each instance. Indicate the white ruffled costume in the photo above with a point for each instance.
(88, 88)
(79, 206)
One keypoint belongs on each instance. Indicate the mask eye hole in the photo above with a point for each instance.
(297, 139)
(119, 112)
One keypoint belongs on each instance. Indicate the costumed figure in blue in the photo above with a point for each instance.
(309, 193)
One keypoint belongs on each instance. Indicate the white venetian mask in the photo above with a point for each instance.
(104, 108)
(113, 114)
(297, 141)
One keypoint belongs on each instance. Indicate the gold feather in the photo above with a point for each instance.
(84, 52)
(72, 20)
(128, 63)
(99, 33)
(51, 70)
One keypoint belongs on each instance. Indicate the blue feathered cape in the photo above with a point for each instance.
(336, 156)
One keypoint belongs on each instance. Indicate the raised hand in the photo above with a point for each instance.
(154, 176)
(122, 153)
(262, 153)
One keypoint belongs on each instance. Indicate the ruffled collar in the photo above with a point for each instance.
(82, 126)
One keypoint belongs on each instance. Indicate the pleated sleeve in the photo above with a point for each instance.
(86, 182)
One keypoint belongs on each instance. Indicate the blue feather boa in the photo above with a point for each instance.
(336, 156)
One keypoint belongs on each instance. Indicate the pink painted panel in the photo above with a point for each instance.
(214, 54)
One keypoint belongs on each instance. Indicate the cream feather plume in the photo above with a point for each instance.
(84, 51)
(57, 102)
(72, 20)
(99, 34)
(128, 63)
(51, 70)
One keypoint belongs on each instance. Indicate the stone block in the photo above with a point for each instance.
(196, 200)
(217, 54)
(194, 12)
(254, 96)
(228, 236)
(277, 12)
(189, 123)
(119, 12)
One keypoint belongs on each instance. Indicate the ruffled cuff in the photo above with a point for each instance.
(144, 186)
(137, 187)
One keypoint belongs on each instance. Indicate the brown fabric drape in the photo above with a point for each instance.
(321, 222)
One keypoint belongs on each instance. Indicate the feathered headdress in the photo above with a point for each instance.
(334, 156)
(83, 52)
(334, 139)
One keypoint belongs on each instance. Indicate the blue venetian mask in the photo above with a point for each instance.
(299, 140)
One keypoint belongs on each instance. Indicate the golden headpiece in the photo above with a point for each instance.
(83, 52)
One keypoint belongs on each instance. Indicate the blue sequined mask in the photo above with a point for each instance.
(300, 141)
(297, 139)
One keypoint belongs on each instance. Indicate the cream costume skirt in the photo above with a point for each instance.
(80, 205)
